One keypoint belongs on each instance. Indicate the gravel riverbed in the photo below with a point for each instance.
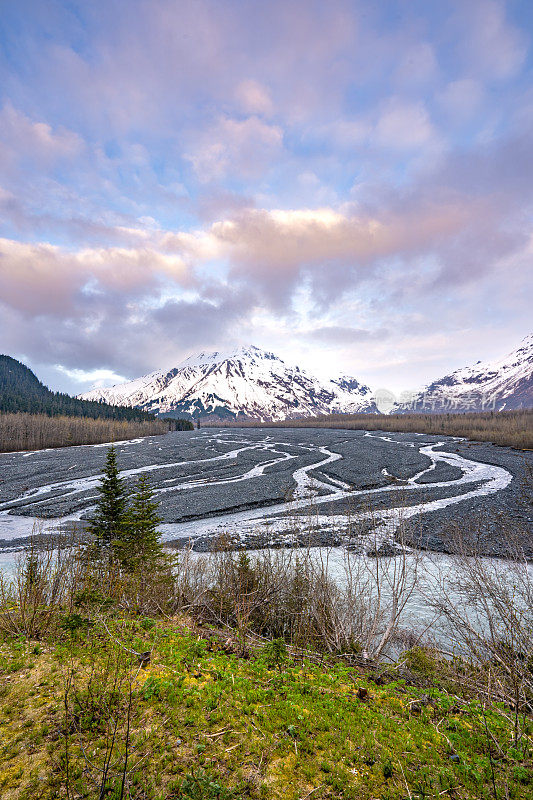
(260, 486)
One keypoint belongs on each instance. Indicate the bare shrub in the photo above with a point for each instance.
(487, 611)
(45, 578)
(23, 431)
(506, 428)
(100, 704)
(304, 596)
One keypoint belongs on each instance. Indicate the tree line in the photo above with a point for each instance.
(22, 391)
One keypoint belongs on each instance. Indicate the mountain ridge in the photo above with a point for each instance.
(243, 383)
(504, 384)
(250, 383)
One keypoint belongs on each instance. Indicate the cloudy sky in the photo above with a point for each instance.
(346, 183)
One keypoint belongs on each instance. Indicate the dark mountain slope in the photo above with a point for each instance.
(21, 390)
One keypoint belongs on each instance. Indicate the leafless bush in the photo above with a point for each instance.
(100, 702)
(486, 608)
(35, 431)
(506, 428)
(44, 581)
(305, 596)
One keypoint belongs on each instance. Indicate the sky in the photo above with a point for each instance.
(347, 184)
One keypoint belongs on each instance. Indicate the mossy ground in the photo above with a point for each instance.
(206, 723)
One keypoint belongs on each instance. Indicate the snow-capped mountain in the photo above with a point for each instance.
(505, 384)
(245, 383)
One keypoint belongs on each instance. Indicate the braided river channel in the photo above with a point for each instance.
(368, 493)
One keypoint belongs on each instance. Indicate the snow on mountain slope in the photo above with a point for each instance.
(352, 396)
(505, 384)
(246, 382)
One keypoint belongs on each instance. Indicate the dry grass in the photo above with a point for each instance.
(504, 428)
(36, 431)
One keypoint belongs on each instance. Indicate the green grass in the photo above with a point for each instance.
(207, 724)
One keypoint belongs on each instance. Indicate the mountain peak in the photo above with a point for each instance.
(248, 382)
(242, 352)
(503, 384)
(242, 382)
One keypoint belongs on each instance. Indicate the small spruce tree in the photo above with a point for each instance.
(140, 549)
(108, 523)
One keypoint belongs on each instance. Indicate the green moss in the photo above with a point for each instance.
(420, 661)
(262, 727)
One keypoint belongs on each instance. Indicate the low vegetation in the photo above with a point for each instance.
(81, 717)
(33, 417)
(505, 428)
(37, 431)
(128, 672)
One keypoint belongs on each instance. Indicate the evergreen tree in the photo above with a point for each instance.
(140, 548)
(108, 525)
(21, 390)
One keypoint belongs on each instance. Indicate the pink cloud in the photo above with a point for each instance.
(403, 124)
(244, 146)
(254, 98)
(34, 141)
(45, 279)
(283, 242)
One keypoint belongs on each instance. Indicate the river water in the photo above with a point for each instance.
(236, 461)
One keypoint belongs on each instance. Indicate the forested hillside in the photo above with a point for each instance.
(21, 390)
(33, 417)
